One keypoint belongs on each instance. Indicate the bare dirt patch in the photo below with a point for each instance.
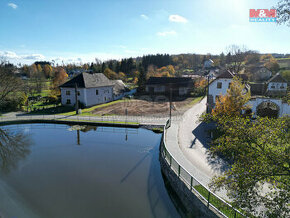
(145, 107)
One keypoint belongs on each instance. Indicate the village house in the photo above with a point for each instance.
(259, 73)
(262, 101)
(92, 89)
(218, 87)
(276, 86)
(179, 86)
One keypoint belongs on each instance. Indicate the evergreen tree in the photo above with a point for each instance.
(141, 79)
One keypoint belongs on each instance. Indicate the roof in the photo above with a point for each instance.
(86, 80)
(257, 88)
(168, 80)
(226, 75)
(277, 79)
(119, 87)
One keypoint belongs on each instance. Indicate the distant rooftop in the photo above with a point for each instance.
(168, 80)
(277, 79)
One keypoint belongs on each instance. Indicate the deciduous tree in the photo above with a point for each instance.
(9, 83)
(258, 179)
(234, 101)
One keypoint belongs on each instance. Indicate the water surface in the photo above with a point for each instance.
(49, 170)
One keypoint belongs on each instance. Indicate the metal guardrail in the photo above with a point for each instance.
(110, 119)
(211, 199)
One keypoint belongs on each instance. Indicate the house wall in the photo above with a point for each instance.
(274, 86)
(183, 90)
(65, 97)
(88, 96)
(105, 94)
(157, 88)
(214, 91)
(284, 108)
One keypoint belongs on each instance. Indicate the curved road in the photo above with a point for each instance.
(187, 140)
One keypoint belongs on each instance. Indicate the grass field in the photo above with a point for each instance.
(284, 62)
(220, 205)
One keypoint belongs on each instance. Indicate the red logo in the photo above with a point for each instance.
(262, 13)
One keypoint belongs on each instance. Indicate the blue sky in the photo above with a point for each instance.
(82, 30)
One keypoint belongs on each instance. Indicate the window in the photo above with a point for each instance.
(282, 87)
(97, 92)
(105, 98)
(230, 85)
(273, 87)
(217, 98)
(79, 93)
(67, 92)
(68, 101)
(219, 85)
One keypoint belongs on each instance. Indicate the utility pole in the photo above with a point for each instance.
(207, 94)
(77, 102)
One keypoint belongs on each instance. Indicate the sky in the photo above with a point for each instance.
(82, 30)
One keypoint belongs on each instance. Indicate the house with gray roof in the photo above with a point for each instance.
(276, 86)
(92, 89)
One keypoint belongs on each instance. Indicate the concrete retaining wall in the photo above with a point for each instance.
(193, 204)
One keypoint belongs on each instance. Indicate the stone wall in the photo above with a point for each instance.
(192, 203)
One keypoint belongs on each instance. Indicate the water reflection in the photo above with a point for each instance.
(14, 146)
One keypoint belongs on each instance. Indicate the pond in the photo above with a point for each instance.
(49, 170)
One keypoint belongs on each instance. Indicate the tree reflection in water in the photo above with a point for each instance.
(14, 146)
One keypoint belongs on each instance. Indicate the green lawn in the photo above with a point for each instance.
(87, 111)
(196, 100)
(50, 109)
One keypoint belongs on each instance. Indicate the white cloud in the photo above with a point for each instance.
(177, 19)
(12, 5)
(8, 54)
(33, 57)
(145, 17)
(167, 33)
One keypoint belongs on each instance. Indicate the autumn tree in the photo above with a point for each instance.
(47, 69)
(272, 65)
(59, 78)
(39, 68)
(33, 70)
(122, 76)
(234, 101)
(266, 57)
(110, 74)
